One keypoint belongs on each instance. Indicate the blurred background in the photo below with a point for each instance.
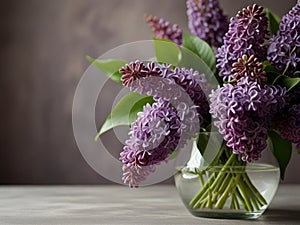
(42, 58)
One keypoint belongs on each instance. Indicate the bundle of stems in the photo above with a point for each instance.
(226, 180)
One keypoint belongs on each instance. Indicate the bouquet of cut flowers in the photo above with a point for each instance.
(254, 58)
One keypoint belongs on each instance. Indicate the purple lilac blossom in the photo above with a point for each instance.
(153, 137)
(134, 174)
(207, 21)
(179, 94)
(132, 72)
(164, 30)
(284, 50)
(246, 36)
(288, 122)
(293, 96)
(244, 114)
(249, 67)
(170, 84)
(289, 125)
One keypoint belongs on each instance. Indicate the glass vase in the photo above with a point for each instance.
(228, 187)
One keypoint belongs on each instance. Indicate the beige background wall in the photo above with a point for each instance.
(43, 44)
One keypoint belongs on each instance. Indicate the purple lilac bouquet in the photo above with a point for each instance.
(255, 59)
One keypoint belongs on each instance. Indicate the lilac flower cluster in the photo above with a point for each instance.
(246, 36)
(293, 96)
(207, 21)
(244, 113)
(289, 125)
(249, 67)
(153, 136)
(132, 72)
(134, 174)
(171, 84)
(180, 108)
(284, 50)
(164, 30)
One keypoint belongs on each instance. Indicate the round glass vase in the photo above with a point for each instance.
(228, 190)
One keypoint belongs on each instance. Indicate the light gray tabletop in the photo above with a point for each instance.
(122, 205)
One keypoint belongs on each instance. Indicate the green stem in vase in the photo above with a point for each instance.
(212, 181)
(253, 189)
(226, 180)
(221, 202)
(235, 201)
(245, 196)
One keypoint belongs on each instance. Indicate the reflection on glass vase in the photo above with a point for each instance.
(227, 187)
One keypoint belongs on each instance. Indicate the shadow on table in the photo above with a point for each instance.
(281, 215)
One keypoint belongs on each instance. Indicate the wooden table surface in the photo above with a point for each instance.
(121, 205)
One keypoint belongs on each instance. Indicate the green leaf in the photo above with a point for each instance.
(288, 82)
(125, 112)
(282, 150)
(109, 67)
(203, 138)
(201, 49)
(274, 77)
(274, 21)
(173, 154)
(189, 59)
(271, 72)
(167, 51)
(138, 107)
